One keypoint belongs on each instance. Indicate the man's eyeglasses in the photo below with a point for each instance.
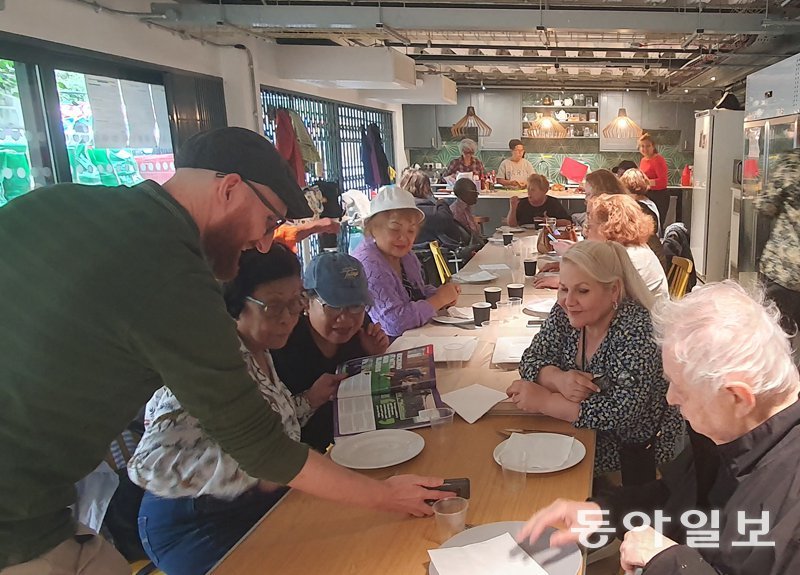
(277, 220)
(334, 312)
(274, 311)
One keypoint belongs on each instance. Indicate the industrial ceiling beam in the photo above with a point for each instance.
(598, 48)
(483, 60)
(488, 18)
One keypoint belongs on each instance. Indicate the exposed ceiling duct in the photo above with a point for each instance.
(666, 46)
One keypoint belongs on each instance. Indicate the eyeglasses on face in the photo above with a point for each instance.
(276, 310)
(333, 312)
(275, 220)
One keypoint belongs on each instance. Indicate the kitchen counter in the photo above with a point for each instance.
(575, 202)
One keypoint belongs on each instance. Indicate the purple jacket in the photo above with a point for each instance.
(392, 307)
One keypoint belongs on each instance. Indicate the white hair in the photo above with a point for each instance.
(467, 144)
(719, 333)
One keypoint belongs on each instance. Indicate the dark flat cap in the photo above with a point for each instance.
(252, 156)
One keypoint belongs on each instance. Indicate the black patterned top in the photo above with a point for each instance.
(629, 410)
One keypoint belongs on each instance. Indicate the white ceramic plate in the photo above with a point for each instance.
(377, 449)
(565, 560)
(505, 230)
(543, 306)
(575, 456)
(480, 277)
(496, 240)
(446, 319)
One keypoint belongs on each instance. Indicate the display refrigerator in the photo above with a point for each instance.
(772, 118)
(717, 145)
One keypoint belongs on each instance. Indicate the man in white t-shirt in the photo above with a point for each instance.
(514, 171)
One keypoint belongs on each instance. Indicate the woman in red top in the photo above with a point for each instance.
(654, 166)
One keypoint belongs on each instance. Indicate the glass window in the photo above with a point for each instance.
(117, 131)
(24, 154)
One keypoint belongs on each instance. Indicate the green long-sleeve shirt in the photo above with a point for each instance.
(105, 296)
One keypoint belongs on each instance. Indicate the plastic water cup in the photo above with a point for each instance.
(515, 464)
(451, 516)
(454, 355)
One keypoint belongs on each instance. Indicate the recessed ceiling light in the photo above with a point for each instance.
(627, 89)
(713, 78)
(686, 91)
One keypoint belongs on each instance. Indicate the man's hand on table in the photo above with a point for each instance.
(407, 494)
(563, 514)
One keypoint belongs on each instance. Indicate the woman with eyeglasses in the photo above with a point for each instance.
(335, 329)
(198, 501)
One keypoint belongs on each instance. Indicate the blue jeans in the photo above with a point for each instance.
(187, 536)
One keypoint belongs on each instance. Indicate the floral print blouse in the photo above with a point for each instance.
(175, 458)
(630, 409)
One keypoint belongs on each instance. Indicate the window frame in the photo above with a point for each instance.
(341, 150)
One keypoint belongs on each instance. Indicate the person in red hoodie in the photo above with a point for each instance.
(654, 166)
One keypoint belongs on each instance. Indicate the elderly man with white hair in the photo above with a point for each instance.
(730, 504)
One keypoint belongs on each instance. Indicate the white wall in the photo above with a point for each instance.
(69, 22)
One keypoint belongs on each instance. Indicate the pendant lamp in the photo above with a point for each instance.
(547, 127)
(622, 127)
(470, 120)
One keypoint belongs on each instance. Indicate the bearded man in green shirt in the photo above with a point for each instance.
(106, 295)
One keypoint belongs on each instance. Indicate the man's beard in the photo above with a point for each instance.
(223, 252)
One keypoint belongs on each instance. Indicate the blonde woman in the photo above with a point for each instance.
(620, 219)
(402, 300)
(596, 365)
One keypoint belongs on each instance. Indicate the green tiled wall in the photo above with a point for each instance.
(548, 163)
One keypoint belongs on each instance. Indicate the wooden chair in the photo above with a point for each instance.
(441, 262)
(678, 276)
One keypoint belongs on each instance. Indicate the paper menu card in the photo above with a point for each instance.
(545, 450)
(439, 343)
(472, 402)
(497, 556)
(510, 349)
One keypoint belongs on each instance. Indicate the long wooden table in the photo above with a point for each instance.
(304, 535)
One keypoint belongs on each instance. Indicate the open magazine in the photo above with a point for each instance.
(386, 392)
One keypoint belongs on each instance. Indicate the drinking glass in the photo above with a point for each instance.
(504, 311)
(515, 464)
(451, 516)
(515, 309)
(454, 355)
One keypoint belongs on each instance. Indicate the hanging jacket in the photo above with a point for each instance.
(376, 164)
(288, 148)
(676, 243)
(306, 145)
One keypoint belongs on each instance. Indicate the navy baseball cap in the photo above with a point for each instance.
(241, 151)
(338, 279)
